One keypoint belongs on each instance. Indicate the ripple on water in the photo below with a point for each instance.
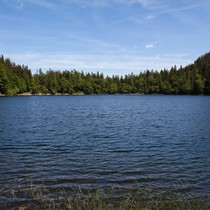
(106, 140)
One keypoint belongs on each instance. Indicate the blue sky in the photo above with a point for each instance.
(110, 36)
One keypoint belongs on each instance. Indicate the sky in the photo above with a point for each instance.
(116, 37)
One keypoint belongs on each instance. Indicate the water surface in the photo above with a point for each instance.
(101, 141)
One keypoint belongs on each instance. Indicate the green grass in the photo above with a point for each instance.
(133, 198)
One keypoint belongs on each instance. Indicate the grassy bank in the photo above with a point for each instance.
(135, 197)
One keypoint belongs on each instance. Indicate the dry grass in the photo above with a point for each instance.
(134, 198)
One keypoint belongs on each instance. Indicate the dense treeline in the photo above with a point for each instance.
(192, 79)
(14, 79)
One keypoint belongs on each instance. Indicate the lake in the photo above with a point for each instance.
(103, 141)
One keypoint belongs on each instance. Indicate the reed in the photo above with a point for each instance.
(114, 198)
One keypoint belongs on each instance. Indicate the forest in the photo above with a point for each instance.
(193, 79)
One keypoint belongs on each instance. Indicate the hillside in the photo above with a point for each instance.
(193, 79)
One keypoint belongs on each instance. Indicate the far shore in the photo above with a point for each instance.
(67, 94)
(83, 94)
(42, 94)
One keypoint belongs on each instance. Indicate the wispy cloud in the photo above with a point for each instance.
(67, 36)
(43, 3)
(89, 3)
(108, 64)
(129, 19)
(149, 4)
(22, 4)
(103, 3)
(179, 9)
(149, 17)
(142, 2)
(149, 46)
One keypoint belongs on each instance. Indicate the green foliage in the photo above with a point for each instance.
(193, 79)
(3, 80)
(14, 79)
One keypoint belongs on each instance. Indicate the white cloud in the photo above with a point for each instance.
(89, 3)
(109, 64)
(43, 3)
(149, 17)
(102, 3)
(143, 2)
(148, 46)
(22, 4)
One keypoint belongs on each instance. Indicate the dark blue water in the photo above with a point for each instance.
(101, 141)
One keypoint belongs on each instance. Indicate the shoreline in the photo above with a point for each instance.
(83, 94)
(74, 94)
(134, 197)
